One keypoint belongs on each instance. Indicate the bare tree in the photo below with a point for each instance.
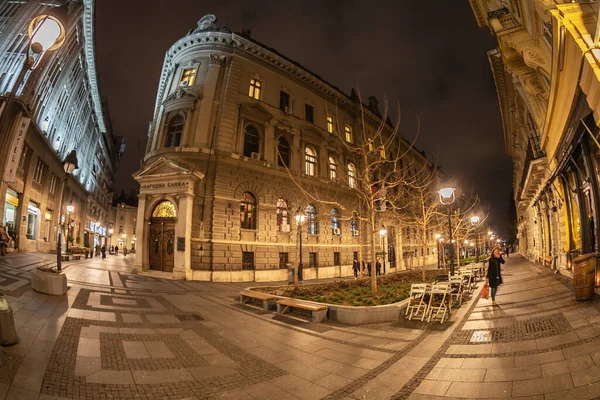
(374, 176)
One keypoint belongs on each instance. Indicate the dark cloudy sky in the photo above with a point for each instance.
(429, 56)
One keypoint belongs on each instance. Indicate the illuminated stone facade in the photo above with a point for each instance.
(226, 105)
(547, 76)
(63, 110)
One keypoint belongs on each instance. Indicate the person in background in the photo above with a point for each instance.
(125, 252)
(378, 267)
(103, 250)
(3, 240)
(494, 273)
(369, 265)
(116, 250)
(355, 268)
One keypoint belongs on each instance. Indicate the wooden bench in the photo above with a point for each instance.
(268, 300)
(318, 312)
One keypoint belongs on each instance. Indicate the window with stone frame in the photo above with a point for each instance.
(351, 175)
(251, 141)
(310, 160)
(283, 260)
(188, 77)
(312, 222)
(283, 217)
(283, 156)
(354, 227)
(25, 155)
(312, 260)
(309, 113)
(174, 131)
(337, 259)
(335, 222)
(329, 124)
(248, 211)
(332, 168)
(38, 174)
(284, 101)
(348, 133)
(255, 88)
(247, 260)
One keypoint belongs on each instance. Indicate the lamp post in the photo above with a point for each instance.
(46, 32)
(438, 242)
(475, 220)
(110, 233)
(300, 217)
(70, 210)
(383, 233)
(490, 233)
(447, 197)
(466, 243)
(69, 165)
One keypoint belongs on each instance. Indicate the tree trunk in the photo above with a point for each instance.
(361, 236)
(373, 259)
(423, 251)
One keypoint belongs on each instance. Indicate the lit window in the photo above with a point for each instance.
(283, 159)
(174, 131)
(329, 124)
(335, 222)
(188, 77)
(312, 223)
(248, 211)
(255, 88)
(348, 132)
(351, 175)
(310, 157)
(332, 169)
(283, 220)
(354, 226)
(251, 141)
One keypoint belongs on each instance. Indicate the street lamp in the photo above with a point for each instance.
(383, 233)
(69, 165)
(475, 220)
(447, 197)
(110, 233)
(70, 209)
(46, 32)
(300, 217)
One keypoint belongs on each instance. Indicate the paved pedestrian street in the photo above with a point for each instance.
(124, 335)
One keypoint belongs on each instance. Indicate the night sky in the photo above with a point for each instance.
(429, 56)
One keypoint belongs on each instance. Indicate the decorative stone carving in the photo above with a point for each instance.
(216, 59)
(208, 23)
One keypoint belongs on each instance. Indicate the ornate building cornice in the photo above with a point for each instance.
(90, 57)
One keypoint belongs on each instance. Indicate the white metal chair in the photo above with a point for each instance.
(456, 284)
(467, 277)
(439, 301)
(418, 294)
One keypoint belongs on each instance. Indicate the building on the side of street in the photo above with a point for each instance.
(546, 68)
(237, 129)
(59, 109)
(122, 223)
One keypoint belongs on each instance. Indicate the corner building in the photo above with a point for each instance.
(60, 108)
(216, 200)
(547, 72)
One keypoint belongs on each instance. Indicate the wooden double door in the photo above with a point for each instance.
(162, 244)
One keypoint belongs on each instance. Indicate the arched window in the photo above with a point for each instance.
(283, 158)
(248, 211)
(332, 168)
(351, 175)
(164, 209)
(174, 131)
(312, 223)
(335, 222)
(354, 226)
(310, 157)
(283, 217)
(251, 141)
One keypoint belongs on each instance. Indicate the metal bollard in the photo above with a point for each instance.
(8, 334)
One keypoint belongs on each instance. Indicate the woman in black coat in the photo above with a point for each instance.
(494, 273)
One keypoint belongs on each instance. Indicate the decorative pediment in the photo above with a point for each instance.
(256, 112)
(164, 169)
(182, 98)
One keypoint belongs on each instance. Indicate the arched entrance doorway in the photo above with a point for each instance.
(162, 237)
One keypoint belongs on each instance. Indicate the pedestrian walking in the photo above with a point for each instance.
(378, 267)
(507, 252)
(125, 252)
(494, 273)
(355, 268)
(103, 250)
(3, 240)
(116, 250)
(369, 264)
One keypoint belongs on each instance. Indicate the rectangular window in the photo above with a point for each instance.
(284, 101)
(348, 132)
(24, 157)
(310, 114)
(247, 260)
(337, 260)
(329, 124)
(255, 88)
(38, 174)
(53, 181)
(283, 260)
(120, 229)
(312, 260)
(188, 77)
